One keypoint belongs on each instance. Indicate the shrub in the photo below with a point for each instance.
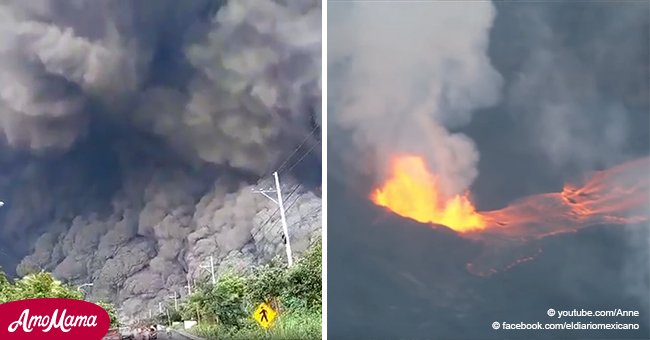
(228, 299)
(226, 307)
(267, 283)
(304, 280)
(112, 312)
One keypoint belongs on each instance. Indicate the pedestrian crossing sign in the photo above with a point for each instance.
(264, 315)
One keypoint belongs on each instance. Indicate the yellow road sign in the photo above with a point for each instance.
(264, 315)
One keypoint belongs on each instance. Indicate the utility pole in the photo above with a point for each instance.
(280, 204)
(175, 297)
(189, 286)
(210, 267)
(160, 307)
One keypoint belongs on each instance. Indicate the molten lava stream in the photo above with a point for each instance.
(615, 196)
(619, 195)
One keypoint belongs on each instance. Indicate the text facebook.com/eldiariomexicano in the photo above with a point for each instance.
(562, 321)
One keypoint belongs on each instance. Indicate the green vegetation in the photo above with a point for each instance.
(44, 285)
(290, 325)
(224, 310)
(37, 285)
(112, 312)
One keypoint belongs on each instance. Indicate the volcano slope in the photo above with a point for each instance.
(391, 277)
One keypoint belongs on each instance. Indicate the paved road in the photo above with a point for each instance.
(175, 336)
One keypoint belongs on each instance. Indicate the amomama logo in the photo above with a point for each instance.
(52, 319)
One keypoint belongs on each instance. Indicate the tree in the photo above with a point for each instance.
(6, 288)
(305, 279)
(227, 299)
(197, 306)
(267, 283)
(43, 285)
(174, 315)
(4, 280)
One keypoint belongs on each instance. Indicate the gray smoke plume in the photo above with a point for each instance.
(134, 133)
(575, 93)
(240, 75)
(412, 73)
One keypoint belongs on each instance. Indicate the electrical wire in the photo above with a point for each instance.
(280, 168)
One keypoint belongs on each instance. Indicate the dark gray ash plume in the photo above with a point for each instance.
(132, 134)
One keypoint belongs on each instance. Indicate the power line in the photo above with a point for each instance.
(280, 202)
(263, 225)
(311, 212)
(278, 191)
(303, 156)
(278, 209)
(295, 187)
(287, 209)
(296, 149)
(259, 231)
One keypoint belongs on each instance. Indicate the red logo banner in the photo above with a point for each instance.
(52, 318)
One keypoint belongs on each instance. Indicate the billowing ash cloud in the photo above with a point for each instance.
(230, 81)
(579, 95)
(413, 73)
(133, 133)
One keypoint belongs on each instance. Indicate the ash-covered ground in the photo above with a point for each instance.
(572, 97)
(132, 135)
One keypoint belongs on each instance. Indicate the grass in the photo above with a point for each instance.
(295, 325)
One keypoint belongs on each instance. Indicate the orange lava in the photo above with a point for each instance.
(616, 196)
(412, 191)
(619, 195)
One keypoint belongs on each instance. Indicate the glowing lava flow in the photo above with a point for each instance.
(619, 195)
(616, 196)
(413, 192)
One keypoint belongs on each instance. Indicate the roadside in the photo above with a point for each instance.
(185, 335)
(226, 309)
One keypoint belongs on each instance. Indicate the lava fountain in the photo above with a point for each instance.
(412, 191)
(616, 196)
